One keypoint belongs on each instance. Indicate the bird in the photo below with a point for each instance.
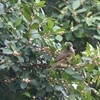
(64, 55)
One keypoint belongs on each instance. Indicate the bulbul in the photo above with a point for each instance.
(64, 55)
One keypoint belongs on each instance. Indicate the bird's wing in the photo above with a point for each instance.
(60, 57)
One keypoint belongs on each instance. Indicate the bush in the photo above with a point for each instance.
(30, 38)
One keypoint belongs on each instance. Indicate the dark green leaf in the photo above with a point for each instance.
(49, 89)
(69, 36)
(12, 1)
(7, 51)
(27, 9)
(34, 82)
(27, 16)
(72, 97)
(41, 93)
(77, 76)
(20, 58)
(35, 26)
(70, 71)
(81, 10)
(23, 85)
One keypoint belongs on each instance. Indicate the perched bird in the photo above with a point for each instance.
(64, 55)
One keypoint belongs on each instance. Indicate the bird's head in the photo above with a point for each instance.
(70, 47)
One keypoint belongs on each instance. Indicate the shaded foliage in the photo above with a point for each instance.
(32, 33)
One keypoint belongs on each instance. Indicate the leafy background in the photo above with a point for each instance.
(32, 32)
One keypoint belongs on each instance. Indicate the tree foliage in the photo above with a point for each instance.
(32, 33)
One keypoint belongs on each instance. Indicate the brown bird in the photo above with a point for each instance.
(64, 55)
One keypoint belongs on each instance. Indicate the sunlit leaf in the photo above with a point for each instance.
(97, 37)
(59, 38)
(56, 28)
(1, 8)
(76, 4)
(3, 66)
(50, 24)
(1, 25)
(81, 10)
(7, 51)
(27, 94)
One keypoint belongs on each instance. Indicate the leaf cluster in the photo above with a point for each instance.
(31, 35)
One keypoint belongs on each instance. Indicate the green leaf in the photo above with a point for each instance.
(40, 93)
(27, 94)
(56, 28)
(49, 89)
(27, 16)
(36, 36)
(34, 82)
(59, 38)
(87, 89)
(90, 21)
(23, 85)
(72, 97)
(78, 34)
(12, 1)
(60, 31)
(42, 75)
(89, 47)
(86, 58)
(1, 25)
(18, 22)
(35, 26)
(20, 58)
(97, 37)
(1, 8)
(69, 36)
(45, 28)
(81, 10)
(98, 32)
(98, 5)
(27, 12)
(97, 18)
(39, 4)
(98, 82)
(70, 71)
(13, 47)
(7, 51)
(59, 88)
(50, 24)
(27, 9)
(3, 66)
(76, 4)
(77, 76)
(65, 75)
